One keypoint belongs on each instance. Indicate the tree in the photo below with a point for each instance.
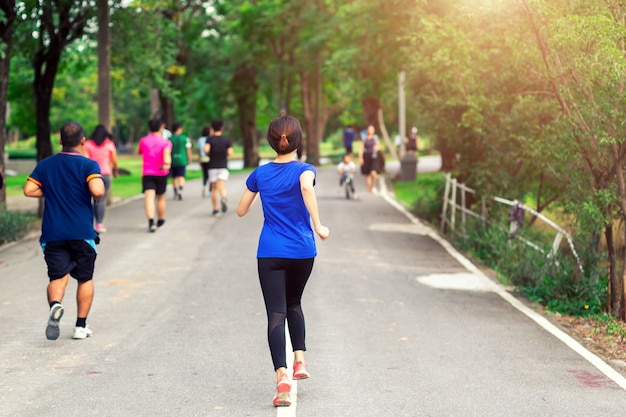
(584, 58)
(7, 18)
(59, 24)
(104, 65)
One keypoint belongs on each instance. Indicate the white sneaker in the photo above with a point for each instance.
(82, 332)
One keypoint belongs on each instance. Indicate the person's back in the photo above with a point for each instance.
(286, 229)
(412, 144)
(102, 154)
(180, 144)
(151, 148)
(348, 137)
(64, 178)
(218, 153)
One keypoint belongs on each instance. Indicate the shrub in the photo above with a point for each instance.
(555, 282)
(424, 197)
(14, 225)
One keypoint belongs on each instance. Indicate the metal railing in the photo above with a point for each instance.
(455, 191)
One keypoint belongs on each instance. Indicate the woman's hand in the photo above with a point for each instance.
(322, 232)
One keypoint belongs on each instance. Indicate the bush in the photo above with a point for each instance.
(424, 197)
(14, 225)
(555, 282)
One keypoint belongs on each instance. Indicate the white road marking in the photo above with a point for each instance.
(291, 410)
(464, 281)
(592, 358)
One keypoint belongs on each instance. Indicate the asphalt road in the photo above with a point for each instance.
(398, 324)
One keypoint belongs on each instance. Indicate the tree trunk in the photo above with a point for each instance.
(6, 29)
(104, 65)
(611, 265)
(245, 89)
(60, 24)
(448, 155)
(45, 73)
(167, 114)
(155, 103)
(310, 104)
(46, 65)
(370, 111)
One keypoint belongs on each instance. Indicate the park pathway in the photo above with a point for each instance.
(398, 323)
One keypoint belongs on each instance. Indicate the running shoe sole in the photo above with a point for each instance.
(282, 399)
(224, 206)
(52, 330)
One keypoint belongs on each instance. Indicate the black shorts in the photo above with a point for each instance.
(369, 164)
(74, 257)
(178, 171)
(154, 182)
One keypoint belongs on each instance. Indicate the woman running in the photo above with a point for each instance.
(286, 247)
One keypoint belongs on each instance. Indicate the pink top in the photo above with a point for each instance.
(152, 147)
(102, 154)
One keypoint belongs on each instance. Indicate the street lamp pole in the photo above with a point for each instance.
(401, 112)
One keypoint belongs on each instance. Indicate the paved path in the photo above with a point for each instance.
(399, 324)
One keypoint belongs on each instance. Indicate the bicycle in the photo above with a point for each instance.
(349, 188)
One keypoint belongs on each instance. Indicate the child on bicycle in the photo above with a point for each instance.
(346, 169)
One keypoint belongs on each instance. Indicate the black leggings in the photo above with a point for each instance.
(282, 282)
(204, 166)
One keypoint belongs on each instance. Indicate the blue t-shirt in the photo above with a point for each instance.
(68, 213)
(287, 231)
(348, 136)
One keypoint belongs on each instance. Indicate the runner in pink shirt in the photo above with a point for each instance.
(157, 159)
(101, 149)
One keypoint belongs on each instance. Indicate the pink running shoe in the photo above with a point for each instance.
(283, 388)
(299, 371)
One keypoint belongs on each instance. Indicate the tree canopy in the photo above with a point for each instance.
(522, 98)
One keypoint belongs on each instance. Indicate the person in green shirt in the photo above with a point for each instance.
(181, 156)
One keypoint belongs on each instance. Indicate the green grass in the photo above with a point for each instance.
(124, 186)
(422, 196)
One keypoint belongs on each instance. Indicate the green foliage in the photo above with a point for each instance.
(555, 282)
(14, 225)
(423, 196)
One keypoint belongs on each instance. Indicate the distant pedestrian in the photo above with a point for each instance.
(346, 169)
(219, 148)
(286, 249)
(368, 158)
(68, 181)
(101, 148)
(165, 132)
(348, 137)
(157, 159)
(412, 141)
(204, 159)
(181, 156)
